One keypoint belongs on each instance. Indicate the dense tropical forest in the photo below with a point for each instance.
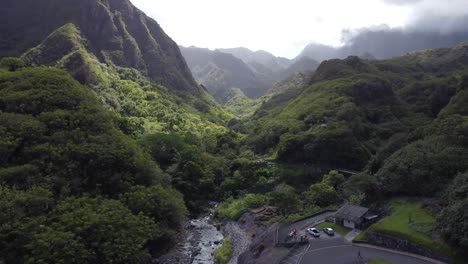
(108, 145)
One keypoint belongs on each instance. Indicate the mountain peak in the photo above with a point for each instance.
(260, 56)
(58, 44)
(117, 33)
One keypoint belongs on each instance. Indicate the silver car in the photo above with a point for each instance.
(313, 231)
(329, 231)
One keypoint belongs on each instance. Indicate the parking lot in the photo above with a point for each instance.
(300, 226)
(336, 249)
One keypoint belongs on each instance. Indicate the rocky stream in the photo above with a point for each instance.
(198, 243)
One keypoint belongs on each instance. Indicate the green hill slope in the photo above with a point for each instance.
(352, 109)
(69, 177)
(145, 106)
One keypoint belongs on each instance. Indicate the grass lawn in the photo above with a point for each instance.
(339, 229)
(417, 231)
(379, 261)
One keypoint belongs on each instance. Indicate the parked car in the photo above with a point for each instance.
(329, 231)
(313, 231)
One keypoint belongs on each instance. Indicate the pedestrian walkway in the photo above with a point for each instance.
(353, 234)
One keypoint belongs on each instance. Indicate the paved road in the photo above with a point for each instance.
(348, 254)
(337, 250)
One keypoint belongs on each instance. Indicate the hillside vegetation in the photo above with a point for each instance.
(145, 106)
(107, 143)
(401, 122)
(69, 177)
(355, 113)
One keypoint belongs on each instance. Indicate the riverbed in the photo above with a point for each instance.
(198, 242)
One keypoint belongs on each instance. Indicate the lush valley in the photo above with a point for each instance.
(402, 122)
(220, 72)
(363, 107)
(72, 171)
(254, 73)
(108, 145)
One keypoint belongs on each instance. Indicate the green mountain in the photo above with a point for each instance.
(144, 104)
(304, 65)
(130, 63)
(107, 143)
(353, 110)
(224, 70)
(69, 177)
(268, 60)
(272, 69)
(116, 32)
(400, 123)
(219, 72)
(106, 139)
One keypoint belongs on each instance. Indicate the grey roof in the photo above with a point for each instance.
(352, 213)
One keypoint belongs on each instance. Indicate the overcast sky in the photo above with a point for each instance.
(285, 27)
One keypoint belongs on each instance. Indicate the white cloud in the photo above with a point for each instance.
(445, 17)
(402, 2)
(278, 26)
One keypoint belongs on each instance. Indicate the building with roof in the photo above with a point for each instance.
(354, 216)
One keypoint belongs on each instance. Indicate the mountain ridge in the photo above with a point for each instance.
(253, 74)
(382, 44)
(260, 56)
(396, 86)
(220, 71)
(124, 35)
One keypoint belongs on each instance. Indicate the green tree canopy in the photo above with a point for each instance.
(108, 230)
(11, 63)
(333, 178)
(321, 194)
(285, 198)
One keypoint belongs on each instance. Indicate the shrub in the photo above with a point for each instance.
(233, 209)
(223, 254)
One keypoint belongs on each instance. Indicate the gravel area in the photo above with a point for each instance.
(240, 240)
(184, 252)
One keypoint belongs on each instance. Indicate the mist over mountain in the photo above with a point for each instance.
(318, 52)
(304, 64)
(428, 28)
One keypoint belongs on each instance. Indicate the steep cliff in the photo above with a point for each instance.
(116, 32)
